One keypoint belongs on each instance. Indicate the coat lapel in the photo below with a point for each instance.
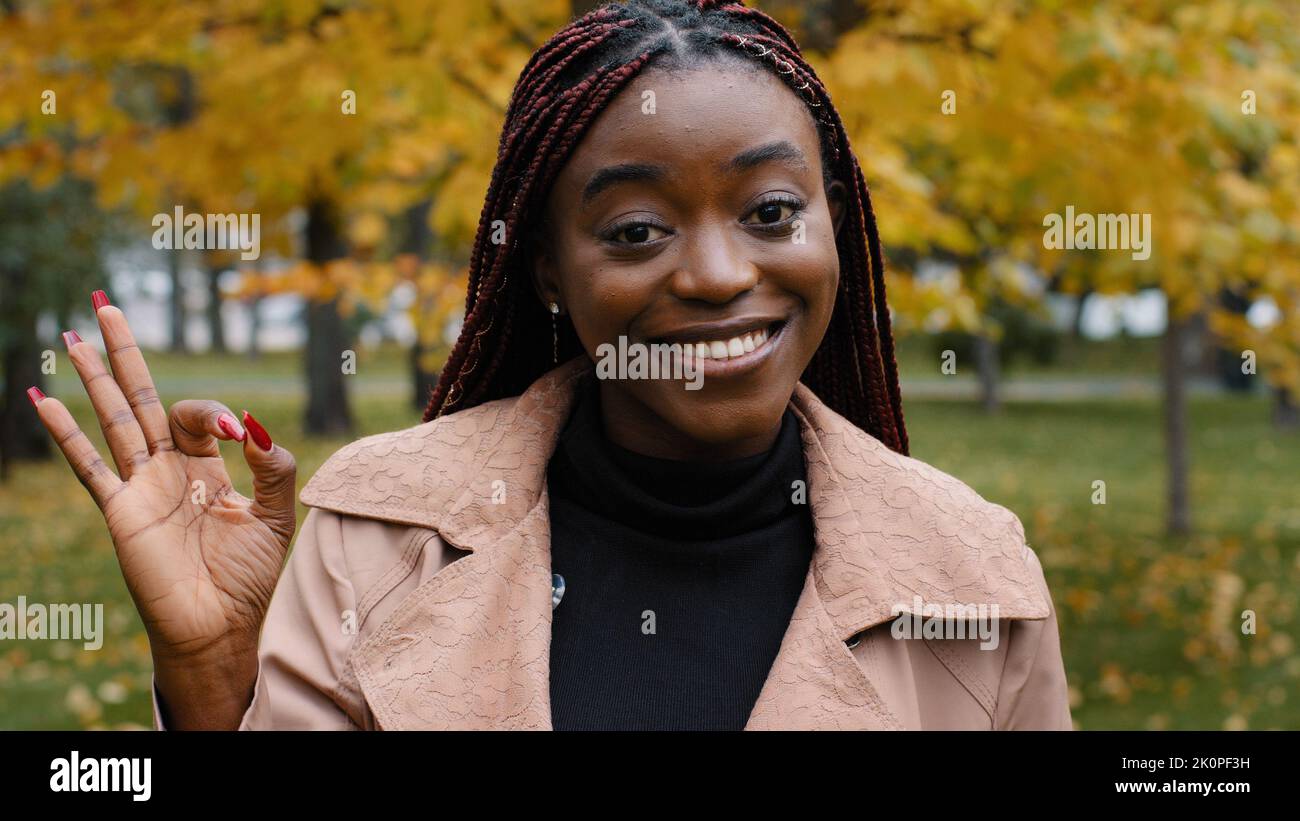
(470, 647)
(815, 683)
(888, 528)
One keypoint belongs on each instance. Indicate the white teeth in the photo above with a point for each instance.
(725, 349)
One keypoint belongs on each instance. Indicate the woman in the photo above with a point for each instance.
(724, 546)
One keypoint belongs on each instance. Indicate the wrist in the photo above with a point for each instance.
(211, 690)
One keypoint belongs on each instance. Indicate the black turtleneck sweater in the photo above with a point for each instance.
(679, 578)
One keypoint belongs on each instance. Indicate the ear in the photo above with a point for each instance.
(546, 283)
(837, 194)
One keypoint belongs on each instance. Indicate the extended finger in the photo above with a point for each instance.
(274, 472)
(197, 424)
(132, 375)
(120, 427)
(93, 472)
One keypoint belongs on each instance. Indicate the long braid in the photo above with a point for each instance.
(560, 92)
(599, 93)
(460, 360)
(884, 326)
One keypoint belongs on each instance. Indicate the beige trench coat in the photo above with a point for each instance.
(412, 601)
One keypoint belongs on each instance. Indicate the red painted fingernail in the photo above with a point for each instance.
(35, 394)
(257, 432)
(99, 299)
(70, 338)
(228, 424)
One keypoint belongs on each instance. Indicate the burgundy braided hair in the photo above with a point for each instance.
(560, 92)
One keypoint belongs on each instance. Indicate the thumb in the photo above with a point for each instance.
(274, 474)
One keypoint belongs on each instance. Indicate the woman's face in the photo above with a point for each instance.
(697, 215)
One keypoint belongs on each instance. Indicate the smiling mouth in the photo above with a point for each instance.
(734, 346)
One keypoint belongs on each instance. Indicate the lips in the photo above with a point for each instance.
(725, 350)
(723, 340)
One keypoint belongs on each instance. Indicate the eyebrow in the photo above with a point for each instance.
(776, 151)
(612, 175)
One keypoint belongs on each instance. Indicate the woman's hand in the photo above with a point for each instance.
(200, 560)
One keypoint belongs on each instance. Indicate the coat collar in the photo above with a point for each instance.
(470, 647)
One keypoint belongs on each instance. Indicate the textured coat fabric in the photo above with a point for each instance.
(418, 593)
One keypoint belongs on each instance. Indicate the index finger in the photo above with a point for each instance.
(132, 376)
(86, 462)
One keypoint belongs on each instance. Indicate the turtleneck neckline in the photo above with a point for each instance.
(683, 500)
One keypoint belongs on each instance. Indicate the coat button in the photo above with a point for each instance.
(854, 640)
(557, 589)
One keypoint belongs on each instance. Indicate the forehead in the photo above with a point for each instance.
(684, 117)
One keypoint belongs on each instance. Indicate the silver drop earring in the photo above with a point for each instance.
(555, 333)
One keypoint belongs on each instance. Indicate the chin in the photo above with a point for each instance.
(705, 417)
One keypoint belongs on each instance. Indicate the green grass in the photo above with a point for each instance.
(1119, 357)
(1150, 626)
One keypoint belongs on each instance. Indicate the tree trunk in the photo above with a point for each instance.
(1227, 362)
(1076, 326)
(22, 437)
(986, 362)
(424, 381)
(1173, 367)
(254, 328)
(216, 331)
(825, 21)
(419, 241)
(327, 398)
(1286, 412)
(177, 301)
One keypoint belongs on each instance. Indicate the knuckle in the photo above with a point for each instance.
(93, 379)
(67, 436)
(278, 483)
(90, 466)
(140, 397)
(118, 418)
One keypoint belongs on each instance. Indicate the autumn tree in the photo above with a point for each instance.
(347, 113)
(52, 244)
(978, 121)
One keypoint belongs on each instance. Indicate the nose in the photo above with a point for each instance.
(713, 269)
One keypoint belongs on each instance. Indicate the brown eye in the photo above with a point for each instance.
(638, 233)
(774, 212)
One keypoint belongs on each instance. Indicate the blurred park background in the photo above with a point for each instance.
(364, 133)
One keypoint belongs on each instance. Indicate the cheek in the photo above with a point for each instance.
(604, 299)
(823, 268)
(596, 294)
(810, 271)
(610, 297)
